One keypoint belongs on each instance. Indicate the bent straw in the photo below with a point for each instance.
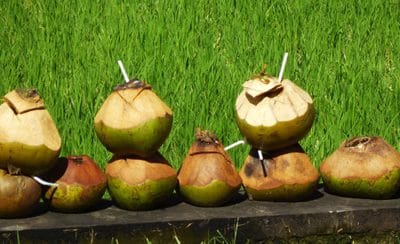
(121, 67)
(43, 182)
(261, 158)
(282, 67)
(234, 145)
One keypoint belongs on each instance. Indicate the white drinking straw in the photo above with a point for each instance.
(234, 145)
(121, 67)
(43, 182)
(260, 155)
(282, 67)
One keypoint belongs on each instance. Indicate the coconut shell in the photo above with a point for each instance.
(273, 115)
(29, 139)
(81, 184)
(283, 175)
(19, 195)
(137, 183)
(133, 120)
(207, 176)
(365, 167)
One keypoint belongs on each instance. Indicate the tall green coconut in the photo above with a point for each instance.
(133, 119)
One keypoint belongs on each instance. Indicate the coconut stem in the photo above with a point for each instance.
(43, 182)
(123, 71)
(282, 67)
(260, 156)
(234, 145)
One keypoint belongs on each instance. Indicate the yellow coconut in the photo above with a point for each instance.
(273, 114)
(29, 139)
(133, 120)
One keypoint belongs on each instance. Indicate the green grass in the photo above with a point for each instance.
(197, 54)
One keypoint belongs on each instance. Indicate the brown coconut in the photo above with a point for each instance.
(208, 176)
(283, 175)
(272, 114)
(366, 167)
(29, 139)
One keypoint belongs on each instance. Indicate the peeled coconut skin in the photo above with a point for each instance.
(290, 175)
(81, 184)
(133, 120)
(275, 117)
(137, 183)
(207, 176)
(29, 139)
(19, 195)
(363, 167)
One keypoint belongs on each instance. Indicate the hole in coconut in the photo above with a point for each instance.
(356, 142)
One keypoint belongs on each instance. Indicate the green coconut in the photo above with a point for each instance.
(137, 183)
(133, 120)
(29, 139)
(207, 176)
(282, 175)
(272, 114)
(81, 184)
(364, 167)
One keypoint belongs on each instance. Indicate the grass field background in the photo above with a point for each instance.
(197, 54)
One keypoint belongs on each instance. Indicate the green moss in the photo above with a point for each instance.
(294, 192)
(214, 194)
(142, 140)
(146, 196)
(381, 188)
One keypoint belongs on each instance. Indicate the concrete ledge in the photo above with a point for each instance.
(323, 215)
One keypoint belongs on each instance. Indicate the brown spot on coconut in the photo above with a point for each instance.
(273, 114)
(365, 167)
(138, 183)
(29, 139)
(133, 120)
(207, 176)
(19, 195)
(283, 175)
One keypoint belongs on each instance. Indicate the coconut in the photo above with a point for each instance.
(80, 184)
(19, 194)
(207, 176)
(137, 183)
(272, 114)
(133, 120)
(365, 167)
(29, 139)
(282, 175)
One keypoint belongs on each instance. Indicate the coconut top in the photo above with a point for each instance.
(131, 105)
(24, 100)
(265, 102)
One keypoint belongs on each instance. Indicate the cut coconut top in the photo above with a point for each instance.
(128, 108)
(24, 100)
(269, 104)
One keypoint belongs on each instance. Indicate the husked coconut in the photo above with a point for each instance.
(133, 120)
(137, 183)
(365, 167)
(272, 114)
(207, 176)
(282, 175)
(29, 139)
